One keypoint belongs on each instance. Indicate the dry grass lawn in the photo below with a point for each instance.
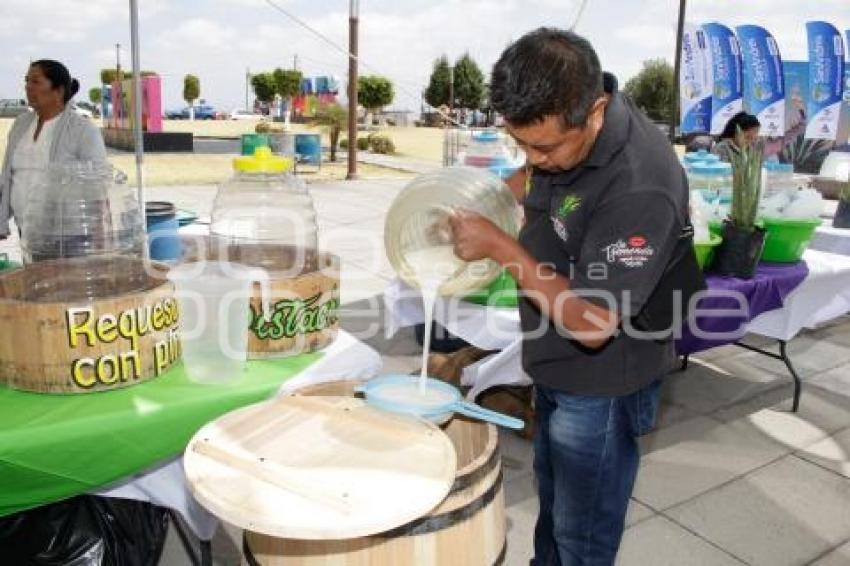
(200, 169)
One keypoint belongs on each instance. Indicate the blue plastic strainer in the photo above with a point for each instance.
(381, 392)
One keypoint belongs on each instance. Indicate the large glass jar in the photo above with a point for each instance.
(418, 222)
(778, 178)
(487, 149)
(713, 179)
(86, 217)
(264, 216)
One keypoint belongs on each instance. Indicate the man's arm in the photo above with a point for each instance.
(589, 324)
(518, 182)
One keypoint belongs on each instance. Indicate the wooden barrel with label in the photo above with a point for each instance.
(86, 324)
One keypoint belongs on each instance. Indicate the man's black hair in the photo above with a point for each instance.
(547, 72)
(740, 120)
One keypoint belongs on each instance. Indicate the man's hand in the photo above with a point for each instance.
(475, 236)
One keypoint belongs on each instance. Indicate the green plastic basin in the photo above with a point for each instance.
(502, 292)
(705, 251)
(787, 238)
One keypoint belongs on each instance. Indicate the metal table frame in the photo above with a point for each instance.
(781, 356)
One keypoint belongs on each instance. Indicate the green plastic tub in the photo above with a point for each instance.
(502, 292)
(787, 238)
(6, 263)
(251, 142)
(705, 251)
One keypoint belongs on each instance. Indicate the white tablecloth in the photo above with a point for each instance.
(346, 358)
(821, 297)
(832, 240)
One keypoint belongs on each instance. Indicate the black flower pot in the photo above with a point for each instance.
(842, 215)
(740, 251)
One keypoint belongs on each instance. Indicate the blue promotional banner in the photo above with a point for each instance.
(826, 77)
(764, 92)
(695, 81)
(726, 98)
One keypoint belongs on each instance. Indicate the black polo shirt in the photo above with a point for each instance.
(609, 225)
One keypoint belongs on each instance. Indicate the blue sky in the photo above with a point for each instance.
(219, 39)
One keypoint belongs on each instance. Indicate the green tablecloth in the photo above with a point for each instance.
(57, 446)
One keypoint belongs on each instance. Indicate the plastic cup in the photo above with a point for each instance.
(214, 313)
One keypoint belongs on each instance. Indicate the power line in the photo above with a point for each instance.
(346, 52)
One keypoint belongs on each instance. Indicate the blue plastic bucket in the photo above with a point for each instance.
(308, 148)
(162, 227)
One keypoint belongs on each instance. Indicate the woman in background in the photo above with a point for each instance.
(741, 130)
(51, 133)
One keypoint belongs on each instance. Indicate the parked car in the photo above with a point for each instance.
(242, 114)
(12, 107)
(202, 112)
(85, 108)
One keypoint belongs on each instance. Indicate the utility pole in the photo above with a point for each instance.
(353, 15)
(248, 107)
(451, 92)
(680, 29)
(295, 62)
(116, 100)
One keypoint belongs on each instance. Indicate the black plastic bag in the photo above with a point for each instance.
(740, 251)
(85, 531)
(842, 215)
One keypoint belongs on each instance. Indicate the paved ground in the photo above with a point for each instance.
(729, 477)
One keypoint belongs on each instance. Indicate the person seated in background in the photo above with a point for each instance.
(741, 130)
(52, 133)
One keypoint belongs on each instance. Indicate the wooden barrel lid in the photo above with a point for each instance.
(319, 468)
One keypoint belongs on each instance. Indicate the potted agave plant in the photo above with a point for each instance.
(743, 239)
(842, 214)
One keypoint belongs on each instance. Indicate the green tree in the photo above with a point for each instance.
(653, 89)
(191, 88)
(264, 87)
(108, 76)
(468, 83)
(287, 83)
(437, 93)
(191, 92)
(333, 118)
(374, 92)
(95, 95)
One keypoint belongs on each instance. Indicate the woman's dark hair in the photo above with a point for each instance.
(58, 75)
(740, 120)
(546, 72)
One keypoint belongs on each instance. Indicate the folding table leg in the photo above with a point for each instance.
(205, 557)
(783, 352)
(783, 356)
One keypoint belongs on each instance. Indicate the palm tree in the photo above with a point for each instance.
(334, 118)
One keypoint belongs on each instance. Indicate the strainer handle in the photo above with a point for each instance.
(478, 412)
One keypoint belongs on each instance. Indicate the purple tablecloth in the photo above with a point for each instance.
(766, 291)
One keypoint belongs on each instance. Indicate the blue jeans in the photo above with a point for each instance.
(586, 458)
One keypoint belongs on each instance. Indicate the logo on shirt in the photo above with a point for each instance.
(632, 252)
(568, 205)
(560, 228)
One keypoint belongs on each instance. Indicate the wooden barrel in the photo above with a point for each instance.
(304, 294)
(82, 325)
(466, 529)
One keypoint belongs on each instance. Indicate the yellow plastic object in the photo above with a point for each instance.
(263, 161)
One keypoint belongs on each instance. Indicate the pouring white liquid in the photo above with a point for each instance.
(431, 267)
